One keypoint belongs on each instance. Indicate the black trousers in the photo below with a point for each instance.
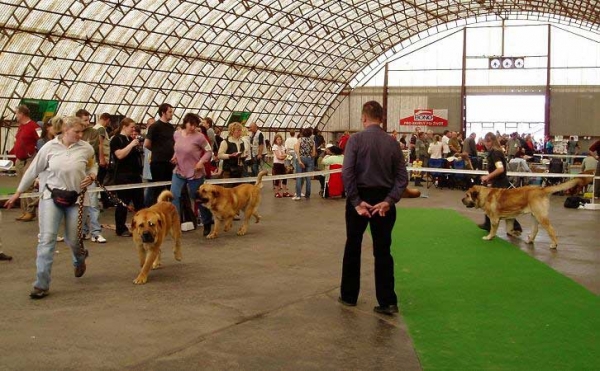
(161, 172)
(103, 196)
(134, 195)
(381, 231)
(488, 222)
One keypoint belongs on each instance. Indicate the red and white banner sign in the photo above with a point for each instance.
(425, 117)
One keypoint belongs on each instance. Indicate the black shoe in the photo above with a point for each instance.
(206, 230)
(38, 293)
(386, 309)
(484, 226)
(346, 303)
(124, 234)
(3, 256)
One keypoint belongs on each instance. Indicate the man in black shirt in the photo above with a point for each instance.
(160, 141)
(374, 176)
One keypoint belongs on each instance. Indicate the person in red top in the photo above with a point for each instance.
(343, 140)
(24, 150)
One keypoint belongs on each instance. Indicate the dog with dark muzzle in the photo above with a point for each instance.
(500, 203)
(149, 228)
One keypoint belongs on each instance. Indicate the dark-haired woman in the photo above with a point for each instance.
(47, 134)
(128, 170)
(305, 154)
(192, 153)
(497, 168)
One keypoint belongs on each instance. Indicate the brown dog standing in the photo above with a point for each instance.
(226, 203)
(149, 228)
(500, 203)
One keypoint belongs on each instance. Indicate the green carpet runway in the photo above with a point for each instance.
(486, 305)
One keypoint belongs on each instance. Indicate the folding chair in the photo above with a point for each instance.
(514, 180)
(438, 179)
(460, 180)
(556, 166)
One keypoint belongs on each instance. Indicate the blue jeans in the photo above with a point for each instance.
(256, 166)
(177, 184)
(50, 217)
(148, 193)
(91, 215)
(309, 165)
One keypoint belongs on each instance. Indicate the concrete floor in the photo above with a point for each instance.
(264, 301)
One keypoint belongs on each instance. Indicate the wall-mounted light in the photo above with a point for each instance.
(506, 63)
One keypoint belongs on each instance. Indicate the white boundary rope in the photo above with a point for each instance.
(94, 189)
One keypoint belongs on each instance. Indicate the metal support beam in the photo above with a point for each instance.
(548, 96)
(463, 88)
(385, 96)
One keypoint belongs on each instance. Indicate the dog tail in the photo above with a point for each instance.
(566, 185)
(259, 179)
(166, 196)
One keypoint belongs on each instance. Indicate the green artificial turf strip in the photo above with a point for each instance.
(7, 190)
(486, 305)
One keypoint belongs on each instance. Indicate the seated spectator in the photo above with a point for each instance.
(333, 156)
(520, 162)
(589, 164)
(519, 165)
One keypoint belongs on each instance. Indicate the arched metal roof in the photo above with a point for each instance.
(285, 61)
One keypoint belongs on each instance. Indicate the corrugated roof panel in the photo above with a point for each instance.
(233, 47)
(14, 64)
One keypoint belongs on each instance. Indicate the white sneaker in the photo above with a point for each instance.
(58, 238)
(98, 239)
(296, 198)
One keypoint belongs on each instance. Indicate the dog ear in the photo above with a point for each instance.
(160, 222)
(215, 193)
(474, 194)
(133, 222)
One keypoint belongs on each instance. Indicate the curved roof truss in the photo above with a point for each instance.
(285, 61)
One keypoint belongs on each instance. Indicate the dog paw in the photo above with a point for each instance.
(529, 240)
(178, 256)
(241, 232)
(553, 246)
(211, 236)
(156, 266)
(487, 238)
(140, 280)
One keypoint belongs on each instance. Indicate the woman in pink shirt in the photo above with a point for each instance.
(192, 152)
